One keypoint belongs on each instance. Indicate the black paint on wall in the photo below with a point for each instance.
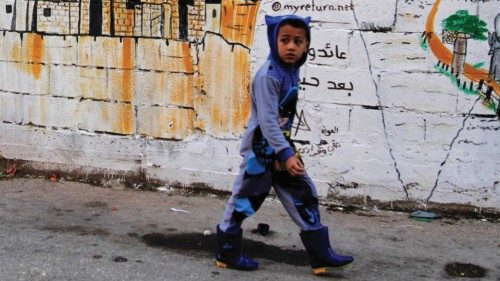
(183, 18)
(34, 17)
(95, 18)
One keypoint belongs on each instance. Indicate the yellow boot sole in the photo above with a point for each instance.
(324, 270)
(220, 264)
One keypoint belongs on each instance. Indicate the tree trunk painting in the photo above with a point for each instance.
(459, 53)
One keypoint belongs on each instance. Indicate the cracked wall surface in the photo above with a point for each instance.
(382, 114)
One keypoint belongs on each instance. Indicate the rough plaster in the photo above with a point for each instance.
(377, 117)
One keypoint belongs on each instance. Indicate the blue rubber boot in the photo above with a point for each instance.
(321, 255)
(229, 252)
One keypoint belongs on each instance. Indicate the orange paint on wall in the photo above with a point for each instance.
(226, 20)
(124, 119)
(186, 54)
(127, 64)
(239, 92)
(30, 54)
(15, 52)
(180, 123)
(35, 45)
(223, 108)
(252, 18)
(238, 21)
(181, 90)
(216, 117)
(125, 116)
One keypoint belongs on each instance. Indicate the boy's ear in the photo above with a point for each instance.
(307, 20)
(270, 20)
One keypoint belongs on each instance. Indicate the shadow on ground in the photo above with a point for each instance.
(195, 242)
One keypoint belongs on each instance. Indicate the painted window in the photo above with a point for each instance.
(47, 12)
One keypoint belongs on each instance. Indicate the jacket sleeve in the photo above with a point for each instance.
(266, 98)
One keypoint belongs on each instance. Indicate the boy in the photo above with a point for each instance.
(269, 155)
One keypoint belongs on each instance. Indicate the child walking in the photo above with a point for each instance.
(270, 158)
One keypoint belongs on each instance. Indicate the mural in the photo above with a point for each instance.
(193, 50)
(457, 29)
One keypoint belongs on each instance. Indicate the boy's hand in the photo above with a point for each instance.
(294, 166)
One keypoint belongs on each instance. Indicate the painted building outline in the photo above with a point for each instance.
(168, 19)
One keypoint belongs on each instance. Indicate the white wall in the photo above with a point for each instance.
(404, 131)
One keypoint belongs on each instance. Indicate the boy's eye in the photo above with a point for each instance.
(298, 41)
(285, 40)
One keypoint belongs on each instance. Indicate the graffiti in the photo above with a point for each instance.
(312, 7)
(331, 85)
(301, 123)
(326, 52)
(340, 86)
(321, 149)
(329, 132)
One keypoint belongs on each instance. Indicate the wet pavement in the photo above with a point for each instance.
(59, 230)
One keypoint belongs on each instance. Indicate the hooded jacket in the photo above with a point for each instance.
(274, 94)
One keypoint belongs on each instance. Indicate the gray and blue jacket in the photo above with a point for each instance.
(274, 95)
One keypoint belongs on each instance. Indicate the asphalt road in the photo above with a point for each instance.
(74, 231)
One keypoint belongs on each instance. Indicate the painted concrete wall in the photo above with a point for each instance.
(382, 114)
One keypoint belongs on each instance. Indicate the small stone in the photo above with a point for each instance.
(163, 189)
(120, 259)
(207, 232)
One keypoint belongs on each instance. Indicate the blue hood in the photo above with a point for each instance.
(273, 24)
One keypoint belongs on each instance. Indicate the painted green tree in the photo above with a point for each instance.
(462, 27)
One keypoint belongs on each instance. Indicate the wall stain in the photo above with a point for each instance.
(186, 54)
(36, 46)
(125, 116)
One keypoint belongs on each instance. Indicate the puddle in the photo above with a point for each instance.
(205, 245)
(466, 270)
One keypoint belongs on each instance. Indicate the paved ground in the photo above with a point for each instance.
(74, 231)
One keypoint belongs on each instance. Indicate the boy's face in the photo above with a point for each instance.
(292, 43)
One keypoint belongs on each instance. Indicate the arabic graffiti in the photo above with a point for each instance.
(326, 52)
(329, 132)
(325, 147)
(331, 85)
(322, 149)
